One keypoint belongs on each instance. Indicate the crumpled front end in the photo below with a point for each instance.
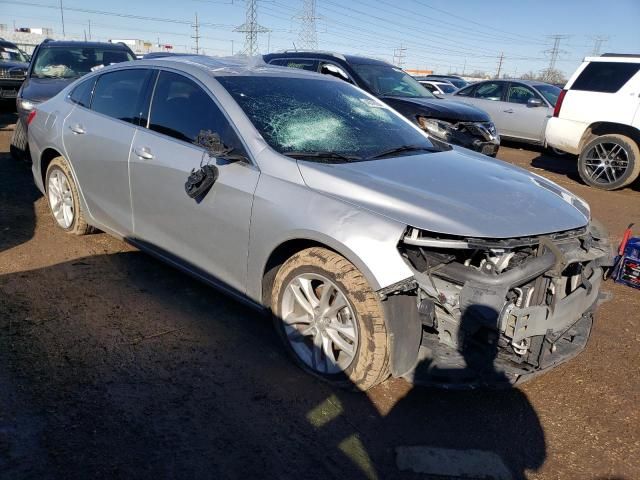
(496, 312)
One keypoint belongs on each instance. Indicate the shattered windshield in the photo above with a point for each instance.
(65, 62)
(387, 80)
(10, 54)
(322, 119)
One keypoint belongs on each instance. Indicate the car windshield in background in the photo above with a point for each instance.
(64, 62)
(323, 120)
(9, 54)
(387, 80)
(457, 82)
(550, 92)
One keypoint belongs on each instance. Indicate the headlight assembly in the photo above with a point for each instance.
(27, 105)
(437, 128)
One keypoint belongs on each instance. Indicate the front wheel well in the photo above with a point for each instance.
(609, 128)
(45, 159)
(281, 254)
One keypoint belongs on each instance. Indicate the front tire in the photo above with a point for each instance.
(64, 201)
(609, 162)
(330, 320)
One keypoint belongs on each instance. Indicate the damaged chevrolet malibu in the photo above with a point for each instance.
(378, 251)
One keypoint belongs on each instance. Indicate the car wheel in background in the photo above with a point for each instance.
(19, 147)
(330, 320)
(609, 162)
(63, 199)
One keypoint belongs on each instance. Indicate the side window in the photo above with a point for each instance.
(490, 91)
(335, 71)
(606, 77)
(121, 94)
(430, 87)
(182, 109)
(467, 91)
(520, 94)
(82, 93)
(311, 65)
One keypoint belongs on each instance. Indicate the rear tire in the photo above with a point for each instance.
(609, 162)
(360, 322)
(64, 201)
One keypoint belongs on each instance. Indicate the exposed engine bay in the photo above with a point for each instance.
(496, 311)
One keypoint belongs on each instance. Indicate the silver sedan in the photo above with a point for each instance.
(378, 251)
(520, 109)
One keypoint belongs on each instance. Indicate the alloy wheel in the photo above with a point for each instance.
(319, 323)
(61, 198)
(606, 162)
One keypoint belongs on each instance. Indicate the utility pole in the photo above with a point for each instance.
(399, 55)
(500, 60)
(89, 29)
(308, 35)
(598, 40)
(251, 28)
(62, 17)
(197, 35)
(464, 67)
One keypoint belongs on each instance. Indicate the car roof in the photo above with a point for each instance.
(75, 44)
(7, 43)
(531, 83)
(322, 55)
(231, 66)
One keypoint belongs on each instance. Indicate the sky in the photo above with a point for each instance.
(441, 35)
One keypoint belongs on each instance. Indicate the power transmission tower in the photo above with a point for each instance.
(554, 52)
(500, 60)
(251, 28)
(399, 55)
(196, 37)
(598, 40)
(308, 35)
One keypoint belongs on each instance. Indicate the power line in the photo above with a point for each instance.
(251, 28)
(308, 35)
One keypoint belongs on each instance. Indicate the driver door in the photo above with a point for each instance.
(209, 236)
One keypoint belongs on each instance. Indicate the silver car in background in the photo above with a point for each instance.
(520, 109)
(378, 251)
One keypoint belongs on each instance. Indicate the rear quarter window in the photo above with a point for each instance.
(81, 94)
(605, 77)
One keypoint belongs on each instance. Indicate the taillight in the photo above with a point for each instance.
(31, 116)
(556, 110)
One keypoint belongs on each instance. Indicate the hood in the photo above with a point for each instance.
(440, 108)
(41, 89)
(456, 192)
(5, 64)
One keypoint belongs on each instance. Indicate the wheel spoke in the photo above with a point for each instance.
(296, 319)
(340, 342)
(339, 302)
(329, 356)
(301, 299)
(346, 330)
(325, 297)
(317, 352)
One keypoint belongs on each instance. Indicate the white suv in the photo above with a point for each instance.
(597, 117)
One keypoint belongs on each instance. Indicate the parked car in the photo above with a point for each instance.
(54, 65)
(520, 109)
(373, 246)
(444, 120)
(598, 118)
(438, 88)
(13, 68)
(459, 82)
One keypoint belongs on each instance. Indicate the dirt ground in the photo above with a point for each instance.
(113, 365)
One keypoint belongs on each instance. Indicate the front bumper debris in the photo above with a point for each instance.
(498, 312)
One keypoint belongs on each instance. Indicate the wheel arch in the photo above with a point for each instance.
(47, 156)
(598, 129)
(287, 248)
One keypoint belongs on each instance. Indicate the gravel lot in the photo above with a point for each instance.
(113, 365)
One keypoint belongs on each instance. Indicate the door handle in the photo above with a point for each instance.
(77, 129)
(508, 111)
(144, 153)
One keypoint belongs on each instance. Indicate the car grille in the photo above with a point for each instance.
(12, 73)
(486, 130)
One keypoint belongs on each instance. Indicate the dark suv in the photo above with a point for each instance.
(54, 65)
(13, 67)
(442, 119)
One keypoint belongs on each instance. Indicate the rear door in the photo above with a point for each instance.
(211, 235)
(98, 140)
(522, 120)
(487, 96)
